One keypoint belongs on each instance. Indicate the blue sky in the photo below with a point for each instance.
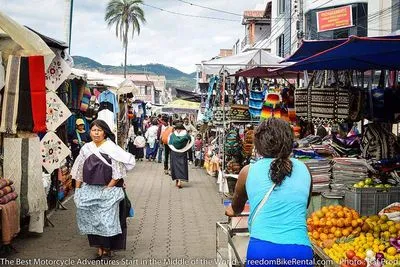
(169, 39)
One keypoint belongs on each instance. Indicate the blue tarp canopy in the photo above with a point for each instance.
(309, 48)
(357, 53)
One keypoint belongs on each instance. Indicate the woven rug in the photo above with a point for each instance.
(10, 98)
(56, 113)
(38, 92)
(24, 117)
(12, 168)
(57, 73)
(53, 151)
(2, 73)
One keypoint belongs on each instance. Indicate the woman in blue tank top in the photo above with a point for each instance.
(278, 232)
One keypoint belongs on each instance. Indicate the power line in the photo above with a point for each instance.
(188, 15)
(210, 8)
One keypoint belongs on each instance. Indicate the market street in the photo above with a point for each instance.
(169, 223)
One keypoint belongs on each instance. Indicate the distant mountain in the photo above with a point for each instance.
(175, 77)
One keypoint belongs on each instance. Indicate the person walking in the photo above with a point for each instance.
(137, 145)
(152, 143)
(99, 195)
(167, 151)
(278, 189)
(78, 138)
(192, 131)
(180, 142)
(162, 124)
(198, 151)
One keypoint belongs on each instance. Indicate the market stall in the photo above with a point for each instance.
(352, 96)
(32, 114)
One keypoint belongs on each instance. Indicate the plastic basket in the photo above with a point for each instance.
(369, 201)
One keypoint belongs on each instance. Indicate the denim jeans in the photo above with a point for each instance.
(160, 152)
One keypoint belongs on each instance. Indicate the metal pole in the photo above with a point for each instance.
(70, 25)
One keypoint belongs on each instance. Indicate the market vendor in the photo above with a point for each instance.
(78, 138)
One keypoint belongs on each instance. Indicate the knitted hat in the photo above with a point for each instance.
(79, 122)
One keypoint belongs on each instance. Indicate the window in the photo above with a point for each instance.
(281, 45)
(281, 6)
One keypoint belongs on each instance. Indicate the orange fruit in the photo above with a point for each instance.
(315, 235)
(340, 214)
(338, 233)
(346, 232)
(354, 223)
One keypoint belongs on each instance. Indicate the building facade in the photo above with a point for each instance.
(294, 20)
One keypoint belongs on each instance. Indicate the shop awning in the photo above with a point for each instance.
(181, 106)
(117, 84)
(240, 61)
(309, 48)
(357, 53)
(30, 42)
(187, 95)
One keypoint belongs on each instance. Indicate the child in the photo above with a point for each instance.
(139, 144)
(198, 151)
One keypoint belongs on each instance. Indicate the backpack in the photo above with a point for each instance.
(165, 134)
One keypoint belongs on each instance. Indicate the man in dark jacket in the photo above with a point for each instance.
(78, 138)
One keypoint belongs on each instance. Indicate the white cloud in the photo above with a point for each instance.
(168, 39)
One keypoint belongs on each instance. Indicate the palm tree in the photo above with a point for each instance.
(125, 15)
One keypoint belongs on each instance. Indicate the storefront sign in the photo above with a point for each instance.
(336, 18)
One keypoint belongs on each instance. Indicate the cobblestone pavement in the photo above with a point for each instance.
(171, 227)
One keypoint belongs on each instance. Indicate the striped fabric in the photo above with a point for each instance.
(11, 94)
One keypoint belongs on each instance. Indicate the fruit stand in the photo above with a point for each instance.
(340, 234)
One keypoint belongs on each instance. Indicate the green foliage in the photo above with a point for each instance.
(175, 78)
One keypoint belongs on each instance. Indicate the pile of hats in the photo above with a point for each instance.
(248, 143)
(7, 191)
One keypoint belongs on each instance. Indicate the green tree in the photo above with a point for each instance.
(126, 15)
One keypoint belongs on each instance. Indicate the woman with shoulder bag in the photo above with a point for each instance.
(102, 205)
(278, 189)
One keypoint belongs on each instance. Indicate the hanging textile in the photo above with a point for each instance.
(22, 164)
(24, 116)
(38, 92)
(57, 112)
(9, 221)
(10, 98)
(54, 151)
(2, 83)
(57, 73)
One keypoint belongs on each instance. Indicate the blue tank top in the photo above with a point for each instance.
(282, 219)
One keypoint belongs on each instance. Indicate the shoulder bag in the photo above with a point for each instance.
(259, 206)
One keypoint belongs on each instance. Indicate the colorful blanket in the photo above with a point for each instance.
(5, 182)
(6, 190)
(9, 221)
(7, 198)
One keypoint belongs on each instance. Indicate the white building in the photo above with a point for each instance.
(294, 20)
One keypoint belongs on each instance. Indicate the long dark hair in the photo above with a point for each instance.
(104, 126)
(274, 139)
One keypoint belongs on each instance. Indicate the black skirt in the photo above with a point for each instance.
(179, 166)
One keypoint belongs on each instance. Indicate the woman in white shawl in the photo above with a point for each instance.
(99, 195)
(152, 142)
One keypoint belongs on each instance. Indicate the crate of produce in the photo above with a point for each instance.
(370, 201)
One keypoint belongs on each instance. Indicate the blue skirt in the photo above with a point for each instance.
(264, 253)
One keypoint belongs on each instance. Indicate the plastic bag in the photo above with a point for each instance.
(392, 212)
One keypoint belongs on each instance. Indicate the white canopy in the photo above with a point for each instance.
(30, 42)
(117, 84)
(252, 58)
